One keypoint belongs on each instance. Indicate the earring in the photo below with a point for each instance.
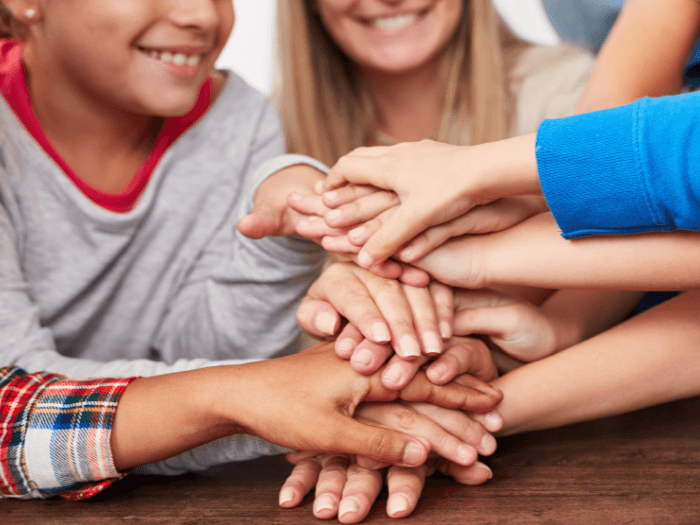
(30, 13)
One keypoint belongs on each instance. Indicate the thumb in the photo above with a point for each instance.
(263, 221)
(382, 445)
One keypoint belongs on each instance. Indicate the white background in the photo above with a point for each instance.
(249, 51)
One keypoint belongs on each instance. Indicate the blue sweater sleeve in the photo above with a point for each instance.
(624, 170)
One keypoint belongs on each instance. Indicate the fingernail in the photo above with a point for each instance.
(294, 196)
(344, 346)
(409, 346)
(324, 502)
(363, 357)
(488, 445)
(432, 344)
(406, 252)
(391, 377)
(466, 453)
(445, 330)
(334, 215)
(318, 187)
(493, 421)
(348, 506)
(438, 371)
(286, 495)
(357, 232)
(413, 454)
(380, 332)
(481, 465)
(397, 503)
(330, 195)
(325, 323)
(364, 259)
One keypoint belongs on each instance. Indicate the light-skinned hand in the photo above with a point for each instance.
(435, 183)
(382, 310)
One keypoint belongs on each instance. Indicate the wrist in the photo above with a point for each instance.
(508, 168)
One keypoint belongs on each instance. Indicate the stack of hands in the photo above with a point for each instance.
(390, 312)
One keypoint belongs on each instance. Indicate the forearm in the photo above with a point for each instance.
(629, 67)
(650, 359)
(162, 416)
(534, 254)
(581, 314)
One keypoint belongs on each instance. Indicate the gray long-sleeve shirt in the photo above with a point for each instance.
(169, 286)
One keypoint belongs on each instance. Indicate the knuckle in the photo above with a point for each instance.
(381, 445)
(406, 418)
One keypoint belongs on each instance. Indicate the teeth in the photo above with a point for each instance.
(179, 59)
(394, 23)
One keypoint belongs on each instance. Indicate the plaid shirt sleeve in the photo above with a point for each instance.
(55, 434)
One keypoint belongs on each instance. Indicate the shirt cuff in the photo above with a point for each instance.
(591, 174)
(60, 442)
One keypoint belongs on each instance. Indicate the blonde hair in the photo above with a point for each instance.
(10, 27)
(327, 111)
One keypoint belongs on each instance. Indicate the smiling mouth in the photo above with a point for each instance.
(395, 23)
(176, 58)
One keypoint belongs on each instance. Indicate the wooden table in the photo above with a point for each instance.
(639, 468)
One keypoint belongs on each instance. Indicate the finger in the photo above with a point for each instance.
(313, 227)
(404, 224)
(403, 418)
(361, 490)
(347, 341)
(463, 356)
(443, 299)
(361, 210)
(360, 234)
(459, 425)
(465, 393)
(307, 204)
(318, 318)
(424, 312)
(405, 488)
(345, 286)
(411, 275)
(494, 217)
(390, 297)
(347, 194)
(369, 357)
(349, 168)
(398, 372)
(475, 474)
(300, 482)
(386, 269)
(329, 487)
(383, 445)
(263, 221)
(339, 244)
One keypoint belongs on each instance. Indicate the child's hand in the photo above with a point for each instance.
(312, 225)
(488, 218)
(518, 328)
(435, 183)
(271, 215)
(382, 310)
(306, 402)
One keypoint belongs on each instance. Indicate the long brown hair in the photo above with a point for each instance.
(327, 111)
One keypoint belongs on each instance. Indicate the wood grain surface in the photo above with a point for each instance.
(638, 468)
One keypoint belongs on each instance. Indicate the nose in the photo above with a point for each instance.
(201, 14)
